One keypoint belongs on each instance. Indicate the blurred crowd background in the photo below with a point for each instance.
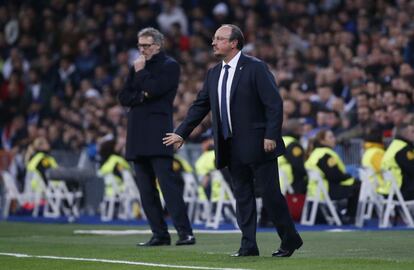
(341, 64)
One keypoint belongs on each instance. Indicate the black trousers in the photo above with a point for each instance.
(149, 169)
(267, 175)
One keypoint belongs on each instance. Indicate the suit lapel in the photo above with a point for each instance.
(237, 75)
(215, 81)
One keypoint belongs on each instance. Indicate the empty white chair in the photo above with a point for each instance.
(12, 193)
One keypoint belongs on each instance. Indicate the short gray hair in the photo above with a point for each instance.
(156, 35)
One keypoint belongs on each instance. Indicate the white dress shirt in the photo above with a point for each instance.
(233, 64)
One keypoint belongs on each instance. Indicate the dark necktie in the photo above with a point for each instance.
(225, 125)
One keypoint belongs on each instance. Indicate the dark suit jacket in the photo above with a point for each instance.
(150, 117)
(256, 112)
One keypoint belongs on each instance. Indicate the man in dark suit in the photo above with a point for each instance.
(149, 93)
(247, 118)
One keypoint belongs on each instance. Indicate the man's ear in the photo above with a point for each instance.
(234, 42)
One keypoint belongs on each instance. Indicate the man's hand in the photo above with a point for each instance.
(173, 139)
(139, 63)
(269, 145)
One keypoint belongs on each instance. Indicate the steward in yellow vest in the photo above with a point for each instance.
(209, 188)
(292, 163)
(38, 162)
(114, 164)
(111, 163)
(399, 159)
(373, 154)
(326, 161)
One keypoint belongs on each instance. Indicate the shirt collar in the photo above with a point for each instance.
(233, 62)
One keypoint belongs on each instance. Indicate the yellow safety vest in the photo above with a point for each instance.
(390, 164)
(204, 165)
(45, 161)
(372, 159)
(184, 164)
(114, 162)
(312, 164)
(284, 164)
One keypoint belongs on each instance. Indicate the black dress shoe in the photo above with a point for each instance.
(186, 240)
(283, 253)
(156, 241)
(286, 252)
(245, 253)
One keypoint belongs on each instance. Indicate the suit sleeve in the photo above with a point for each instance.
(269, 95)
(131, 94)
(198, 110)
(162, 83)
(331, 170)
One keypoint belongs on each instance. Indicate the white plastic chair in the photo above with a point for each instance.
(368, 199)
(393, 200)
(285, 186)
(226, 198)
(60, 200)
(321, 197)
(12, 193)
(124, 197)
(55, 196)
(199, 208)
(130, 196)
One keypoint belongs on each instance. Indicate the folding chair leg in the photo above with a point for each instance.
(6, 209)
(333, 213)
(309, 213)
(406, 212)
(388, 208)
(360, 214)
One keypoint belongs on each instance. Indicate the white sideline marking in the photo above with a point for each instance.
(19, 255)
(131, 232)
(340, 230)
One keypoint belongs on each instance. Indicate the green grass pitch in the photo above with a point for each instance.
(354, 250)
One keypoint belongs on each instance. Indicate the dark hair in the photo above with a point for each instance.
(236, 34)
(316, 140)
(408, 121)
(373, 133)
(106, 149)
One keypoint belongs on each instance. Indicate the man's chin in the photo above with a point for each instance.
(218, 55)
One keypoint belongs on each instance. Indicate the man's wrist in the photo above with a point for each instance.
(182, 139)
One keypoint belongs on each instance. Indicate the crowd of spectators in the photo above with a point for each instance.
(338, 63)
